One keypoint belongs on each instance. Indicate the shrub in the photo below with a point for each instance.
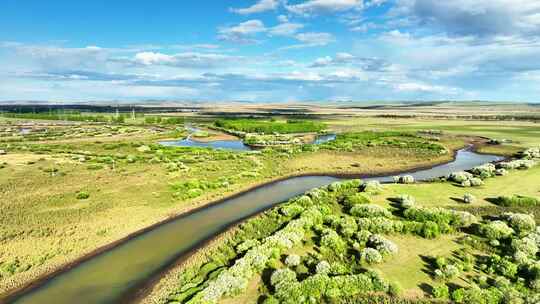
(372, 187)
(371, 256)
(405, 201)
(407, 179)
(469, 198)
(528, 245)
(370, 210)
(496, 230)
(246, 245)
(460, 177)
(282, 276)
(484, 171)
(521, 223)
(323, 267)
(447, 272)
(518, 164)
(292, 209)
(356, 199)
(501, 172)
(82, 195)
(517, 201)
(333, 241)
(441, 292)
(476, 182)
(430, 230)
(440, 216)
(384, 246)
(348, 225)
(292, 260)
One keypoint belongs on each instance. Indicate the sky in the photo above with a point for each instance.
(270, 50)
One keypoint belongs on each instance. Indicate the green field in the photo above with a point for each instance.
(437, 253)
(69, 180)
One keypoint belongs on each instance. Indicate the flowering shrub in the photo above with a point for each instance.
(323, 267)
(501, 172)
(347, 225)
(518, 164)
(292, 260)
(446, 273)
(460, 177)
(304, 201)
(440, 216)
(407, 179)
(517, 201)
(314, 288)
(384, 246)
(496, 230)
(484, 171)
(333, 241)
(526, 246)
(370, 210)
(235, 279)
(372, 187)
(282, 276)
(246, 245)
(521, 223)
(531, 153)
(473, 182)
(356, 199)
(406, 201)
(469, 198)
(371, 256)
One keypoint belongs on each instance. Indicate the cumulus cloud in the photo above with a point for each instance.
(341, 59)
(314, 7)
(426, 88)
(315, 38)
(285, 29)
(478, 18)
(243, 32)
(188, 59)
(260, 6)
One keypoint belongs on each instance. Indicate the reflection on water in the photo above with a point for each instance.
(321, 139)
(111, 276)
(216, 144)
(237, 145)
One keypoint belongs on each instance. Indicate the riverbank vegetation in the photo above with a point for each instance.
(351, 239)
(270, 126)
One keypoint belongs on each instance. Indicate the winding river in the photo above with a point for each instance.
(112, 276)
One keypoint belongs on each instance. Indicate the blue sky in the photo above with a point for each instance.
(270, 50)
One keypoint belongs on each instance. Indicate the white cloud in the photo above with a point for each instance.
(243, 32)
(315, 39)
(312, 7)
(423, 87)
(261, 6)
(189, 59)
(285, 29)
(477, 18)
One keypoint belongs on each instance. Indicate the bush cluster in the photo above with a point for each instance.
(440, 216)
(370, 210)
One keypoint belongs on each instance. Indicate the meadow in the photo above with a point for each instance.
(409, 241)
(70, 186)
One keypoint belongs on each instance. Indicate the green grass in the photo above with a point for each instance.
(408, 267)
(269, 127)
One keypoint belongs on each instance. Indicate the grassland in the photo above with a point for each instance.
(452, 263)
(127, 176)
(270, 127)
